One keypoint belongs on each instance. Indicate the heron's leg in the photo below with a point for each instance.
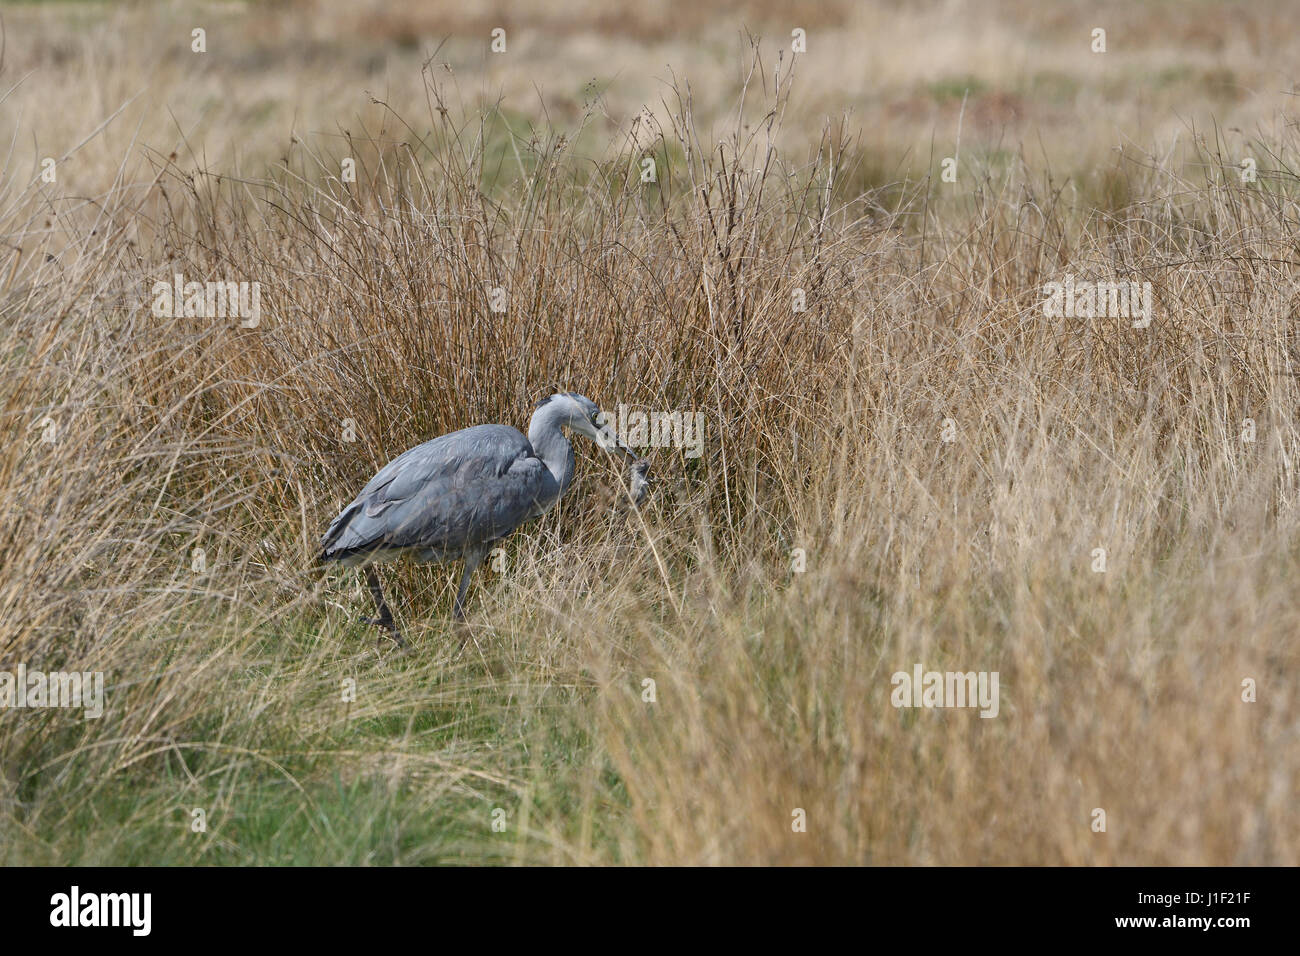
(385, 619)
(472, 561)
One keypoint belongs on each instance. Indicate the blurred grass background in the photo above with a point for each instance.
(1120, 690)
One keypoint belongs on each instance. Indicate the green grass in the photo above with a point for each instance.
(409, 773)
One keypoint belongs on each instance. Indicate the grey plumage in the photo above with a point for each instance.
(453, 497)
(444, 497)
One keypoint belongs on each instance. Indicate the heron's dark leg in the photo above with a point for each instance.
(385, 619)
(472, 561)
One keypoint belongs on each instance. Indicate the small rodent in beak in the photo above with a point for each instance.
(640, 479)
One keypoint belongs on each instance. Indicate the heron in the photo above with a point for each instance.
(454, 497)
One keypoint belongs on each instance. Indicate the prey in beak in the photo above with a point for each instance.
(639, 486)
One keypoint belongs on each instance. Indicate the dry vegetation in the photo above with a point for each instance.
(1120, 690)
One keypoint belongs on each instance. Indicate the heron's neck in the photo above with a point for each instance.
(551, 446)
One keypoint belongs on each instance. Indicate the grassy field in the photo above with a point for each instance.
(906, 460)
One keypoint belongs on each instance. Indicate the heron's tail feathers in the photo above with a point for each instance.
(332, 547)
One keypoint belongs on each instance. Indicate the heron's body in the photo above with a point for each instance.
(453, 497)
(445, 498)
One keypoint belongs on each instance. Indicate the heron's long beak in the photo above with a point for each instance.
(618, 446)
(628, 452)
(605, 437)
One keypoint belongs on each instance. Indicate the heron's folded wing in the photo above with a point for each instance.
(468, 510)
(445, 494)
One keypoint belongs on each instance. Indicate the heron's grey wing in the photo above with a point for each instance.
(447, 519)
(451, 493)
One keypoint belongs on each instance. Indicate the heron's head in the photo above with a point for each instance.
(584, 416)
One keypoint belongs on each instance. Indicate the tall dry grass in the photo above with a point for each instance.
(1120, 690)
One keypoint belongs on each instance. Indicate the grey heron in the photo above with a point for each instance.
(453, 497)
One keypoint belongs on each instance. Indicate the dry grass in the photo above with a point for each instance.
(1120, 690)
